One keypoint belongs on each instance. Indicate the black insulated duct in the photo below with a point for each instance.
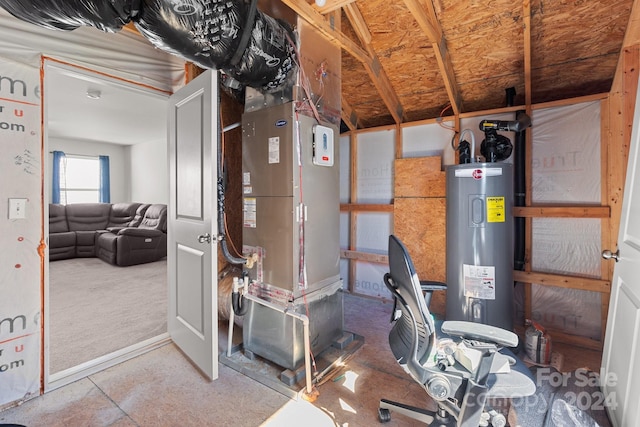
(109, 16)
(232, 36)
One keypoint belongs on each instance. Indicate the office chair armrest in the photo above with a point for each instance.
(428, 286)
(480, 332)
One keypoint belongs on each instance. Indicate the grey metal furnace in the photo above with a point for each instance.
(291, 225)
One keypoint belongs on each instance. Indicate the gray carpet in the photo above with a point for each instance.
(97, 308)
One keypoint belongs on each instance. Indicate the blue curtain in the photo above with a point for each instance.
(105, 187)
(58, 157)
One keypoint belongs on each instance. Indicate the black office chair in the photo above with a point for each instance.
(460, 393)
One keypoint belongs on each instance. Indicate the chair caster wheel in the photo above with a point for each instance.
(384, 415)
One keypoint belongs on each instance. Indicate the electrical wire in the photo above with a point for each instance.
(440, 123)
(224, 214)
(302, 273)
(304, 81)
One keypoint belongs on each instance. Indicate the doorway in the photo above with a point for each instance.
(87, 113)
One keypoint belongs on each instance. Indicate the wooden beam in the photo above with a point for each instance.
(561, 211)
(575, 340)
(424, 13)
(364, 256)
(562, 281)
(353, 197)
(526, 21)
(358, 23)
(373, 67)
(324, 27)
(354, 207)
(331, 5)
(349, 117)
(367, 56)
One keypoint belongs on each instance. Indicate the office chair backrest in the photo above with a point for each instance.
(412, 337)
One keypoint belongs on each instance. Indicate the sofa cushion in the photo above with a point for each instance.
(122, 214)
(155, 218)
(62, 245)
(57, 219)
(137, 220)
(88, 216)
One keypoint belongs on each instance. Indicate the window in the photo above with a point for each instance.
(81, 179)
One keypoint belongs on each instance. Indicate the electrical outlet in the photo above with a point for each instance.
(17, 208)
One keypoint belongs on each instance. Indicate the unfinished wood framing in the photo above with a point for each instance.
(415, 197)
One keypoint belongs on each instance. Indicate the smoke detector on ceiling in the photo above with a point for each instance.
(93, 94)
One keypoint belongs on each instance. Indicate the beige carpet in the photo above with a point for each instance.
(97, 308)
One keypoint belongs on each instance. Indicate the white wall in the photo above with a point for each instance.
(149, 171)
(21, 46)
(118, 159)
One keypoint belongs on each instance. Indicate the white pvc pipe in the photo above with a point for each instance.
(473, 143)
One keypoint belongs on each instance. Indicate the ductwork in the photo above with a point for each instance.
(232, 36)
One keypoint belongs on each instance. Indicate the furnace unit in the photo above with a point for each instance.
(291, 222)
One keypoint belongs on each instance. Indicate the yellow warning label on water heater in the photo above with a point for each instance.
(495, 209)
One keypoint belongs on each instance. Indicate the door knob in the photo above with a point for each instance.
(607, 254)
(206, 238)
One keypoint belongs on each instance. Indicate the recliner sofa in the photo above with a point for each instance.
(121, 234)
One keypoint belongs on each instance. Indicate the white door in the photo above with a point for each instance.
(621, 357)
(191, 253)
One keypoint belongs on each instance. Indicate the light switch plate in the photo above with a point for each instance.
(17, 208)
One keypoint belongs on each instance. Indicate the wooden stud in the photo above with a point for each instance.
(349, 117)
(526, 18)
(353, 182)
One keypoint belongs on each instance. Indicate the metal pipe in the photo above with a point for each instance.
(305, 325)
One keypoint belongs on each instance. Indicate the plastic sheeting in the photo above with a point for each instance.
(566, 169)
(20, 327)
(122, 55)
(375, 157)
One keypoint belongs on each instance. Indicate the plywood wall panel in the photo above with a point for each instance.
(419, 177)
(420, 223)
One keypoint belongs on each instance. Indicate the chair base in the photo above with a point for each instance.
(441, 418)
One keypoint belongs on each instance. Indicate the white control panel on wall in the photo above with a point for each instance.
(322, 146)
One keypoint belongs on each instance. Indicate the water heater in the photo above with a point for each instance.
(480, 243)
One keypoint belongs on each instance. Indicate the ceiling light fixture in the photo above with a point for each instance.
(321, 3)
(94, 94)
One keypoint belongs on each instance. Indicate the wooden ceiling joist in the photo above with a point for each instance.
(366, 56)
(331, 5)
(425, 15)
(374, 68)
(349, 117)
(526, 14)
(324, 27)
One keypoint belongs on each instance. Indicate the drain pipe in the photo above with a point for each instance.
(519, 186)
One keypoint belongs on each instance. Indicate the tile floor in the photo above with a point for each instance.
(161, 388)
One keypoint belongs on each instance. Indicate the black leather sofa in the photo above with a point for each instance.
(121, 234)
